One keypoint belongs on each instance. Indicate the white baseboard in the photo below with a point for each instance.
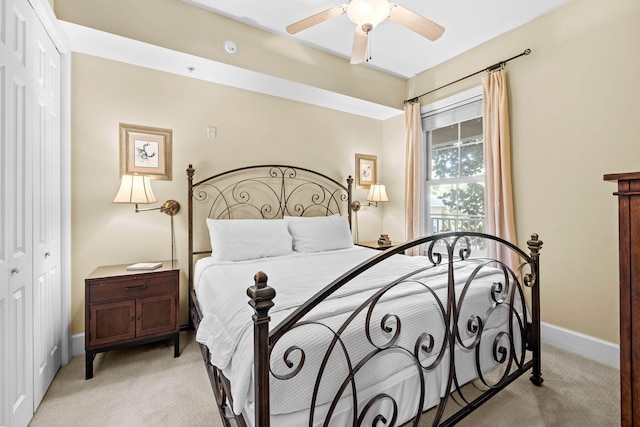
(584, 345)
(592, 348)
(77, 344)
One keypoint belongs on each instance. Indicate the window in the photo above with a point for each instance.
(454, 165)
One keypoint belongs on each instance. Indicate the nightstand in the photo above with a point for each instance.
(375, 245)
(125, 308)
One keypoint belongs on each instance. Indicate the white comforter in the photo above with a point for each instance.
(226, 327)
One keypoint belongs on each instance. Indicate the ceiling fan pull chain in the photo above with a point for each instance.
(369, 58)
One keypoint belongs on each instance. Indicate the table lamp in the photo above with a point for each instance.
(136, 189)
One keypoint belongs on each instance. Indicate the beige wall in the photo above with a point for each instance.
(251, 128)
(574, 114)
(574, 103)
(177, 25)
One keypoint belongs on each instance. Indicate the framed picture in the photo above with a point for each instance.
(145, 151)
(366, 171)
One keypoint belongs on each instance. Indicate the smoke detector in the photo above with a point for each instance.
(230, 48)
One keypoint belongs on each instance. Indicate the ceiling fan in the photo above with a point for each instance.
(366, 14)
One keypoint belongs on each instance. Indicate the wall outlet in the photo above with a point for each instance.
(211, 132)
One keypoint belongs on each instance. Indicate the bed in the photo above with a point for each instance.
(299, 326)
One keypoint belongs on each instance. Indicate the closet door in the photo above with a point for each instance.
(17, 348)
(47, 337)
(5, 175)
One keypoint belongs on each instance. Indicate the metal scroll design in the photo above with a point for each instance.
(472, 348)
(270, 192)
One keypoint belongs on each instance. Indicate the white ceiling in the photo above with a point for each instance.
(395, 49)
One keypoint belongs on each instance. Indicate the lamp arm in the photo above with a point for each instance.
(146, 209)
(170, 207)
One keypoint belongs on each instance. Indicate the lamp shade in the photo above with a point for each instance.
(371, 12)
(377, 193)
(135, 189)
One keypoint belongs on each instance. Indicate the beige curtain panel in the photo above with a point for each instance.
(497, 154)
(413, 174)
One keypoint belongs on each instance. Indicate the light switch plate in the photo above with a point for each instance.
(211, 132)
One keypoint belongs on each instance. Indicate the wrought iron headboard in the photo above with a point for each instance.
(262, 192)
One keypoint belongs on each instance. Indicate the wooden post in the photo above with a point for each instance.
(261, 300)
(534, 247)
(629, 259)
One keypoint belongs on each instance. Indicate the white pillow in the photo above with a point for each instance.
(319, 233)
(240, 239)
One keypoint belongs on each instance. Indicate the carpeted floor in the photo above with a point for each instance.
(137, 386)
(146, 386)
(576, 392)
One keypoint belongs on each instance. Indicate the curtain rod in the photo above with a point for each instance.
(488, 69)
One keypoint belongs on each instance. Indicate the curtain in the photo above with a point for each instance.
(497, 156)
(413, 174)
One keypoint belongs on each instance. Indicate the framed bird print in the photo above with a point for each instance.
(366, 171)
(145, 151)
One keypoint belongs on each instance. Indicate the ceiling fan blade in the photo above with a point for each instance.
(359, 49)
(415, 22)
(312, 20)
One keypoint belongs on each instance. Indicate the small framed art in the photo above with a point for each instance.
(366, 171)
(145, 151)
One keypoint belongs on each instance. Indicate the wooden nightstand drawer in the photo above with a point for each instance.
(131, 287)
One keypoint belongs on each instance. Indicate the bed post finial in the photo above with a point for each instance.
(535, 244)
(262, 296)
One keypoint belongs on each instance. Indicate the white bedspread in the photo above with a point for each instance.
(221, 288)
(226, 327)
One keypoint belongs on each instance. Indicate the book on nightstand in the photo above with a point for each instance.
(384, 240)
(145, 266)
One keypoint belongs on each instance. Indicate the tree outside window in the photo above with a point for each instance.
(455, 179)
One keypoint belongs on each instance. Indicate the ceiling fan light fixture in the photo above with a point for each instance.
(368, 12)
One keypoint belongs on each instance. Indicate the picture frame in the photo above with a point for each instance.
(145, 151)
(366, 171)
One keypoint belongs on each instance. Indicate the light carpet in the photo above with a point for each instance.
(146, 386)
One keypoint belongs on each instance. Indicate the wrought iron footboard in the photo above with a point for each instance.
(499, 352)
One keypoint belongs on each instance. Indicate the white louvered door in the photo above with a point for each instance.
(18, 17)
(47, 335)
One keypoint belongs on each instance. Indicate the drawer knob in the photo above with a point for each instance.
(15, 270)
(47, 254)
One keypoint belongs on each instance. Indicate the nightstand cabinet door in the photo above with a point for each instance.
(112, 322)
(156, 315)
